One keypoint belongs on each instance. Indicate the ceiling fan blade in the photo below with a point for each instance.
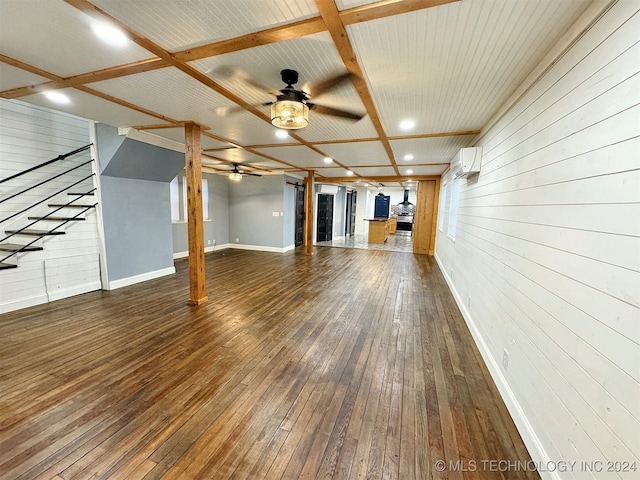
(328, 84)
(242, 172)
(234, 73)
(336, 112)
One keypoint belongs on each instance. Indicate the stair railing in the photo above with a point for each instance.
(48, 162)
(38, 184)
(62, 223)
(48, 197)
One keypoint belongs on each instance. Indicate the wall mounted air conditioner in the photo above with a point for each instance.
(470, 160)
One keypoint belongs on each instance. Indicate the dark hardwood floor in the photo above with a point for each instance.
(347, 364)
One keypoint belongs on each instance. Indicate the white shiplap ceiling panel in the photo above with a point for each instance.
(360, 153)
(63, 37)
(299, 156)
(237, 155)
(92, 107)
(429, 150)
(180, 24)
(374, 171)
(423, 170)
(466, 65)
(177, 134)
(12, 77)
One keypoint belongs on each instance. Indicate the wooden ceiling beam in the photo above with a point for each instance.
(256, 39)
(331, 17)
(387, 8)
(381, 179)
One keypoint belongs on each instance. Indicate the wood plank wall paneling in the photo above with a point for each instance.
(425, 205)
(546, 260)
(28, 136)
(346, 364)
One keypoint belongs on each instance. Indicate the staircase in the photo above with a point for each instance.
(36, 225)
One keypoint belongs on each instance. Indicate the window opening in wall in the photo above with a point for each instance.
(185, 209)
(453, 208)
(174, 188)
(443, 196)
(205, 199)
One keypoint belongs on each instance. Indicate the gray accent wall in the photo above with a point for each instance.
(135, 200)
(137, 226)
(252, 202)
(127, 158)
(108, 143)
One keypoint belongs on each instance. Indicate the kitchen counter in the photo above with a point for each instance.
(379, 229)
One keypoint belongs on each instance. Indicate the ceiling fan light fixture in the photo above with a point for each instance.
(289, 114)
(235, 176)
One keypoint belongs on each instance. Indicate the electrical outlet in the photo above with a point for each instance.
(237, 240)
(209, 242)
(505, 358)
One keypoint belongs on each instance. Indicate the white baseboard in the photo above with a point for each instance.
(261, 248)
(239, 246)
(125, 282)
(73, 291)
(528, 434)
(23, 303)
(215, 248)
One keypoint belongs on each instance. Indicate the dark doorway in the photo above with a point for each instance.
(324, 232)
(299, 215)
(350, 216)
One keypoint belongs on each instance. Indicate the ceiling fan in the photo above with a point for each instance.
(290, 110)
(236, 174)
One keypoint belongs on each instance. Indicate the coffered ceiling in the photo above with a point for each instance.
(446, 65)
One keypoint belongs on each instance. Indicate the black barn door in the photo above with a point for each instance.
(324, 231)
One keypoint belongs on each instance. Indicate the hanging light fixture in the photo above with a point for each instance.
(289, 114)
(290, 110)
(235, 176)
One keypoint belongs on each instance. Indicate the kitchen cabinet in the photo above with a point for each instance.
(378, 230)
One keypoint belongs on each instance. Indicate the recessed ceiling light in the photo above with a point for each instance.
(281, 133)
(350, 173)
(409, 172)
(328, 160)
(57, 97)
(407, 124)
(110, 34)
(408, 157)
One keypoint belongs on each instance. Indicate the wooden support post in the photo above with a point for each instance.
(308, 213)
(426, 210)
(195, 221)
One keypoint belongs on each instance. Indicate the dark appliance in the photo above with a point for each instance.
(382, 205)
(405, 212)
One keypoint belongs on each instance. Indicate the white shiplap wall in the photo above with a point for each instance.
(546, 260)
(69, 264)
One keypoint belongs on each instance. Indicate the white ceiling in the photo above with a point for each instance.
(447, 65)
